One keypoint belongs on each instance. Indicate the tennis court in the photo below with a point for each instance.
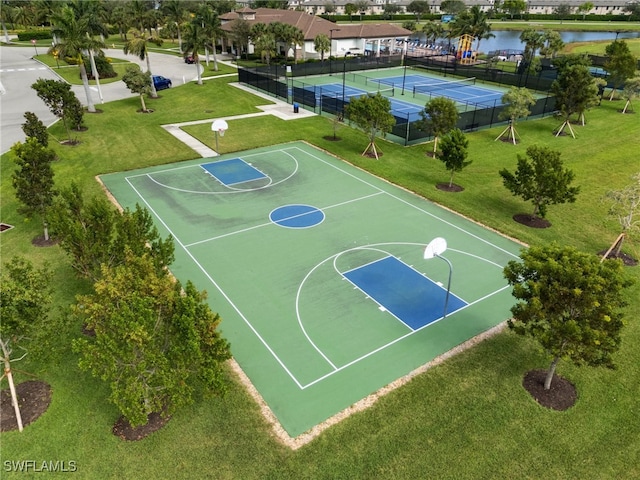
(463, 91)
(318, 271)
(335, 93)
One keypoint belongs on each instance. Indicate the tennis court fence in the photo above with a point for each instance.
(280, 82)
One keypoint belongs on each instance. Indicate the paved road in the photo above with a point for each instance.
(18, 71)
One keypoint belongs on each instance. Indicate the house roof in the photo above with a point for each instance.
(312, 25)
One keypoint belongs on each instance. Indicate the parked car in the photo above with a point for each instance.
(161, 82)
(189, 59)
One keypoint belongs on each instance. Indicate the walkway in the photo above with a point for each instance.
(279, 109)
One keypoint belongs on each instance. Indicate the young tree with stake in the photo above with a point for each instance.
(517, 101)
(453, 152)
(372, 115)
(570, 303)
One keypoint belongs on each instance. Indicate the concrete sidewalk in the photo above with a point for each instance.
(280, 109)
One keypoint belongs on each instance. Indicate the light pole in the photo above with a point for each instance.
(331, 47)
(437, 246)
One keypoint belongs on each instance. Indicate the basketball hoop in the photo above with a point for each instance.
(219, 126)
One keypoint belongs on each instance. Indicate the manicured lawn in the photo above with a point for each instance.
(598, 48)
(468, 418)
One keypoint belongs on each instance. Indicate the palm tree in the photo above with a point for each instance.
(433, 31)
(139, 46)
(208, 17)
(194, 40)
(294, 37)
(175, 13)
(74, 40)
(266, 45)
(322, 44)
(480, 27)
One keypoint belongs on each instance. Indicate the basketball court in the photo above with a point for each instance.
(318, 271)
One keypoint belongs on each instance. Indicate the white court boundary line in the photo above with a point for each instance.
(231, 189)
(379, 190)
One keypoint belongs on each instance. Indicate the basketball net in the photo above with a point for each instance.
(221, 132)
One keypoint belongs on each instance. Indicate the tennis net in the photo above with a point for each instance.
(385, 92)
(430, 87)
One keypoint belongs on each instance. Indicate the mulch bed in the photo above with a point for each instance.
(332, 138)
(628, 260)
(531, 220)
(446, 188)
(34, 398)
(41, 242)
(561, 395)
(123, 429)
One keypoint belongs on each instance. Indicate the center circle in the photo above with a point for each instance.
(297, 216)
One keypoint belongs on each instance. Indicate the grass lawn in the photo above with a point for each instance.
(598, 47)
(468, 418)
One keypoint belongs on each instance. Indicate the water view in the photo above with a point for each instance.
(510, 40)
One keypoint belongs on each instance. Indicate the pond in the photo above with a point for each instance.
(510, 40)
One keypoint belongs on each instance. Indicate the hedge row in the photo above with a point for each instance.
(497, 16)
(34, 35)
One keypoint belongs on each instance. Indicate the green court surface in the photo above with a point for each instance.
(312, 342)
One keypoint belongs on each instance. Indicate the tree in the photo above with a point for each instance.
(517, 101)
(57, 95)
(25, 297)
(138, 82)
(439, 117)
(241, 32)
(93, 233)
(350, 9)
(176, 14)
(361, 6)
(389, 10)
(540, 177)
(553, 43)
(264, 40)
(570, 303)
(139, 46)
(155, 341)
(472, 22)
(33, 180)
(194, 40)
(75, 39)
(621, 64)
(563, 10)
(514, 7)
(624, 205)
(321, 44)
(453, 152)
(631, 90)
(533, 41)
(372, 114)
(74, 113)
(633, 8)
(575, 90)
(585, 8)
(34, 128)
(433, 31)
(418, 8)
(453, 7)
(208, 17)
(329, 8)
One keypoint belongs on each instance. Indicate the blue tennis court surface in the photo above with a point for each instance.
(408, 295)
(464, 91)
(233, 171)
(398, 107)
